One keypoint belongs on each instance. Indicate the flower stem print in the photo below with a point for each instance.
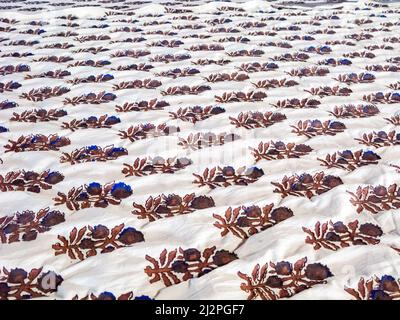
(375, 288)
(297, 104)
(91, 98)
(227, 176)
(349, 160)
(179, 265)
(145, 131)
(89, 241)
(37, 142)
(244, 222)
(240, 96)
(279, 150)
(312, 128)
(92, 122)
(306, 185)
(380, 139)
(196, 113)
(333, 236)
(94, 195)
(352, 111)
(150, 105)
(201, 140)
(148, 166)
(283, 279)
(18, 284)
(31, 181)
(39, 115)
(376, 199)
(44, 93)
(165, 206)
(93, 153)
(27, 225)
(251, 120)
(107, 295)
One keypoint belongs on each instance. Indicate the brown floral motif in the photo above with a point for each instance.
(246, 53)
(93, 153)
(44, 93)
(196, 113)
(38, 115)
(275, 83)
(296, 103)
(244, 222)
(257, 67)
(241, 96)
(148, 130)
(218, 77)
(279, 150)
(352, 78)
(228, 176)
(306, 185)
(92, 79)
(375, 288)
(383, 68)
(37, 142)
(183, 90)
(167, 58)
(9, 86)
(106, 295)
(130, 53)
(141, 84)
(89, 241)
(380, 139)
(27, 225)
(352, 111)
(201, 140)
(57, 74)
(283, 279)
(205, 62)
(177, 73)
(380, 97)
(31, 181)
(179, 265)
(309, 72)
(138, 67)
(18, 284)
(395, 85)
(395, 120)
(252, 120)
(312, 128)
(165, 206)
(349, 160)
(91, 98)
(91, 122)
(333, 236)
(329, 91)
(9, 69)
(152, 104)
(298, 56)
(206, 47)
(94, 195)
(376, 199)
(148, 166)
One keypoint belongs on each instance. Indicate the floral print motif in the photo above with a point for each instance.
(94, 194)
(88, 241)
(179, 265)
(375, 288)
(165, 206)
(29, 180)
(26, 225)
(244, 221)
(283, 279)
(333, 236)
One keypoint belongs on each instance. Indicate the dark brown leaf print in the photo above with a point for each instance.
(283, 279)
(148, 166)
(90, 240)
(165, 206)
(279, 150)
(375, 288)
(37, 142)
(335, 235)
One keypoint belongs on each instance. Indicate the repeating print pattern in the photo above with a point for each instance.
(249, 147)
